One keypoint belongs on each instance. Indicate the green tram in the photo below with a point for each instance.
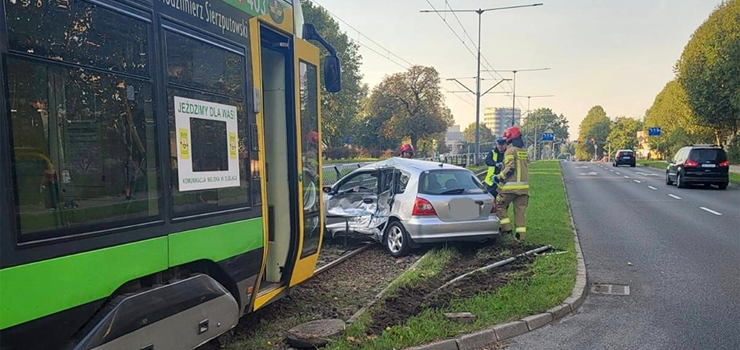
(160, 168)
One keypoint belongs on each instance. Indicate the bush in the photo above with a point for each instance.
(340, 153)
(733, 150)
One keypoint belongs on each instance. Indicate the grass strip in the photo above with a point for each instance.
(551, 278)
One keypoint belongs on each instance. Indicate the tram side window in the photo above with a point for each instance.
(80, 32)
(84, 149)
(209, 132)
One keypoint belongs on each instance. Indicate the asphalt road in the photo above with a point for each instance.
(684, 250)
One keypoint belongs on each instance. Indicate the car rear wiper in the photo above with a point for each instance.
(455, 191)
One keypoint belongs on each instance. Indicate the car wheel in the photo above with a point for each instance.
(397, 240)
(633, 165)
(679, 181)
(668, 180)
(723, 186)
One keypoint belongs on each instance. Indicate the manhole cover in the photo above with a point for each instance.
(610, 289)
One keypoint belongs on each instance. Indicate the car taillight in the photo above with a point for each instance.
(725, 164)
(690, 164)
(422, 207)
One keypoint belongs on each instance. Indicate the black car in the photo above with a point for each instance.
(625, 157)
(701, 164)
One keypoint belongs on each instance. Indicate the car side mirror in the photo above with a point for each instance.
(332, 73)
(327, 189)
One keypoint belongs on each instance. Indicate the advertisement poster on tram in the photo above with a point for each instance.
(207, 148)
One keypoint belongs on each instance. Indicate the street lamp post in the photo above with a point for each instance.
(478, 95)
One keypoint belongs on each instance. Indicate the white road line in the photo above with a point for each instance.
(611, 170)
(652, 188)
(638, 181)
(674, 196)
(618, 173)
(626, 177)
(710, 211)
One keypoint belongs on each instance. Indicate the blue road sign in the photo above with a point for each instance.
(654, 131)
(548, 136)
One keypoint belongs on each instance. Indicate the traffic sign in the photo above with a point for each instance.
(655, 131)
(548, 136)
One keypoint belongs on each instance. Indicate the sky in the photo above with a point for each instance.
(615, 53)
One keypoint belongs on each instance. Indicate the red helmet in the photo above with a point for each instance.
(407, 148)
(512, 133)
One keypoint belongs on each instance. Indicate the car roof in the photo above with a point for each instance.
(415, 165)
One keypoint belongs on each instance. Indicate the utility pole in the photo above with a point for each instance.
(477, 93)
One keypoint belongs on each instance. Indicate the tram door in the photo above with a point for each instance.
(290, 118)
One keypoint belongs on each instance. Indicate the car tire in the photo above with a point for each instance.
(633, 165)
(397, 240)
(679, 181)
(668, 180)
(723, 186)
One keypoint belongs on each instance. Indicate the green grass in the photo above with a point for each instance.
(734, 177)
(550, 283)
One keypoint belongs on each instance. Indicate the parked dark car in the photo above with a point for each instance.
(700, 164)
(625, 157)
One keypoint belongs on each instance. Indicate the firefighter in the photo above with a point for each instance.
(407, 150)
(495, 162)
(513, 185)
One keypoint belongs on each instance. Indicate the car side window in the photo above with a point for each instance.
(360, 183)
(402, 181)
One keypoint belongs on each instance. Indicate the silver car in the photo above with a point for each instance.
(403, 203)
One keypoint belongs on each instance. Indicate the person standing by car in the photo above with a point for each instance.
(495, 162)
(407, 151)
(513, 184)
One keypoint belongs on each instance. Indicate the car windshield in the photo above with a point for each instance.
(708, 155)
(449, 182)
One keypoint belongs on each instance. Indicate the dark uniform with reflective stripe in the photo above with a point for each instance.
(513, 187)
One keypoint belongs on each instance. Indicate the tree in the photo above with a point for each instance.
(485, 134)
(679, 126)
(595, 126)
(539, 122)
(411, 104)
(338, 110)
(623, 134)
(709, 70)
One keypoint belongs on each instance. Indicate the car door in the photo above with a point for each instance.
(353, 194)
(676, 164)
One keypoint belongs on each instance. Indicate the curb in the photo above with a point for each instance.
(510, 330)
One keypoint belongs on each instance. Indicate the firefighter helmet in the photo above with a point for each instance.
(512, 133)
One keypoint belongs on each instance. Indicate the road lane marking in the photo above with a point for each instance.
(618, 173)
(652, 188)
(626, 177)
(710, 211)
(638, 181)
(611, 170)
(674, 196)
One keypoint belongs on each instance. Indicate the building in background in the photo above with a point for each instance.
(499, 119)
(454, 139)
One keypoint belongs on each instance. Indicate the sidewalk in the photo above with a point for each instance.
(735, 169)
